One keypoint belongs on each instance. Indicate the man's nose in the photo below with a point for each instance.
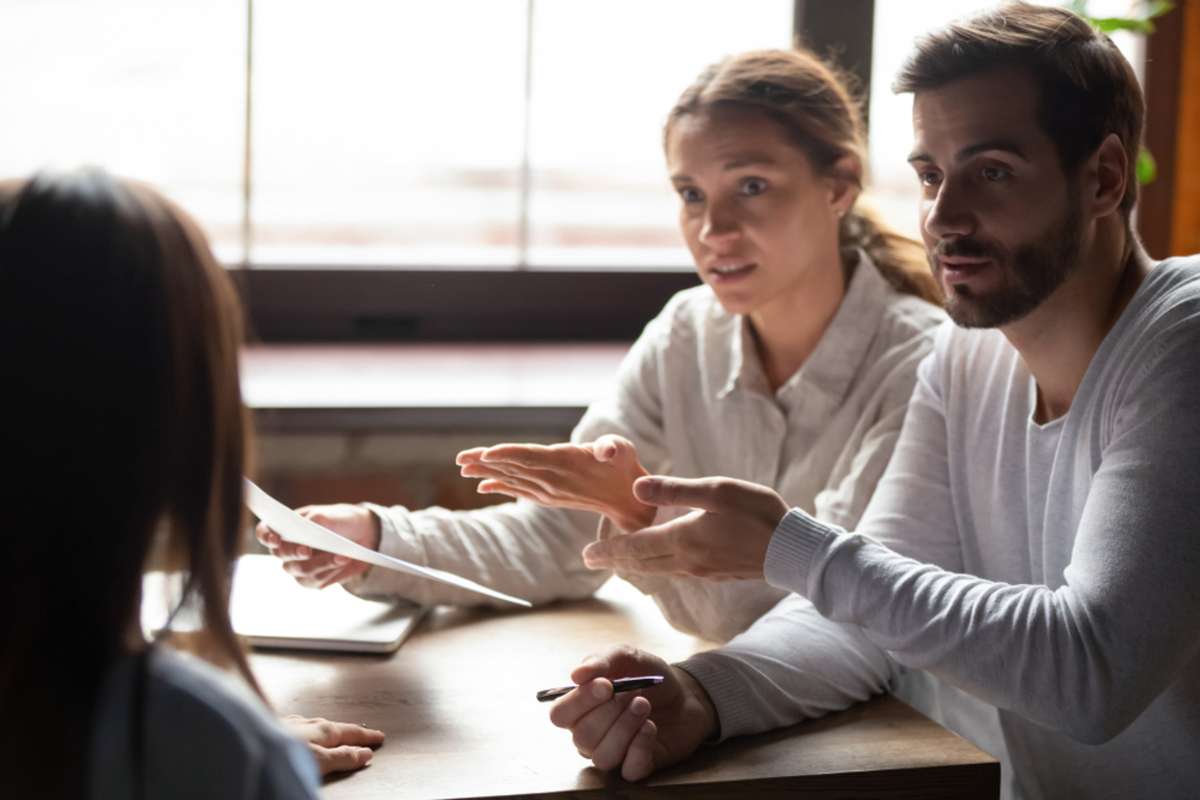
(947, 214)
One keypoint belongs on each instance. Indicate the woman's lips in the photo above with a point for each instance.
(729, 273)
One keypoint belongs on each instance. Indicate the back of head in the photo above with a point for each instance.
(1087, 88)
(812, 103)
(124, 422)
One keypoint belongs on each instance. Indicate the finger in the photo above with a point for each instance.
(610, 751)
(309, 569)
(326, 574)
(621, 661)
(536, 455)
(344, 574)
(639, 757)
(591, 729)
(341, 759)
(571, 707)
(266, 536)
(655, 542)
(360, 735)
(667, 565)
(606, 529)
(609, 446)
(555, 458)
(544, 479)
(469, 456)
(710, 494)
(290, 551)
(495, 487)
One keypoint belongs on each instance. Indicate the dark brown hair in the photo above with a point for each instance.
(125, 423)
(1087, 89)
(819, 115)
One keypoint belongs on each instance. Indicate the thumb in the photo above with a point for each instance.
(709, 494)
(612, 447)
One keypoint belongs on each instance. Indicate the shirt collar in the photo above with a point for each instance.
(837, 357)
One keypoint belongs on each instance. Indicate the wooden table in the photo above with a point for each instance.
(456, 702)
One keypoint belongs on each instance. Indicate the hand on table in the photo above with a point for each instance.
(597, 476)
(725, 538)
(641, 731)
(316, 568)
(337, 746)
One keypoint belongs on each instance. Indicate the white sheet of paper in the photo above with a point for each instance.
(295, 528)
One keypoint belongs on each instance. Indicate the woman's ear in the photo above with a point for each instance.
(845, 182)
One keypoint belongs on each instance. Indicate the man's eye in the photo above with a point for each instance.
(929, 178)
(995, 174)
(753, 186)
(690, 195)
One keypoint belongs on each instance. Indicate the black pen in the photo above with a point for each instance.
(619, 685)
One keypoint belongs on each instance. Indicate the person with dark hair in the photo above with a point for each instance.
(791, 364)
(126, 430)
(1026, 571)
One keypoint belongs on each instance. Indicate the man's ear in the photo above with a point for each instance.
(845, 183)
(1108, 176)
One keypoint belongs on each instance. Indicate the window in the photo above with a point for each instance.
(458, 133)
(148, 89)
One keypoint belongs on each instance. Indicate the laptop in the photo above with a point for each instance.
(271, 611)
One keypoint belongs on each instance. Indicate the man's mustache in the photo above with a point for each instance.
(967, 248)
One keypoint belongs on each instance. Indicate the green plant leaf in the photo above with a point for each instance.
(1140, 24)
(1147, 168)
(1110, 24)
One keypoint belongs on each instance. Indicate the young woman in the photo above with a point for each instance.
(791, 366)
(126, 432)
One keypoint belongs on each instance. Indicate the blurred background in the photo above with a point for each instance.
(383, 176)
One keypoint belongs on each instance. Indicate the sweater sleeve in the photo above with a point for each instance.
(1085, 658)
(522, 548)
(791, 664)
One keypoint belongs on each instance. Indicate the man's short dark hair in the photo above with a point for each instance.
(1087, 88)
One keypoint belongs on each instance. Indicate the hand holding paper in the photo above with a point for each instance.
(295, 528)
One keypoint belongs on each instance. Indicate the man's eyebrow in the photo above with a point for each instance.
(1002, 145)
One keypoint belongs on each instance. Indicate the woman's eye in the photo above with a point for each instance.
(690, 195)
(753, 186)
(995, 174)
(929, 178)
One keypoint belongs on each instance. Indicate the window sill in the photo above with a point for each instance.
(529, 387)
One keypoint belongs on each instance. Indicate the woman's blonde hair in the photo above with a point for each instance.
(810, 101)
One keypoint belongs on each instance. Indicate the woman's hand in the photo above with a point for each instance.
(591, 477)
(726, 538)
(639, 732)
(316, 568)
(337, 746)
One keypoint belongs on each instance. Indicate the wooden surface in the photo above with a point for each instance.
(531, 386)
(457, 705)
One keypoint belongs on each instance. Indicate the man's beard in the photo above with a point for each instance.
(1032, 272)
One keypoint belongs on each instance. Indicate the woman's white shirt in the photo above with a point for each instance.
(693, 397)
